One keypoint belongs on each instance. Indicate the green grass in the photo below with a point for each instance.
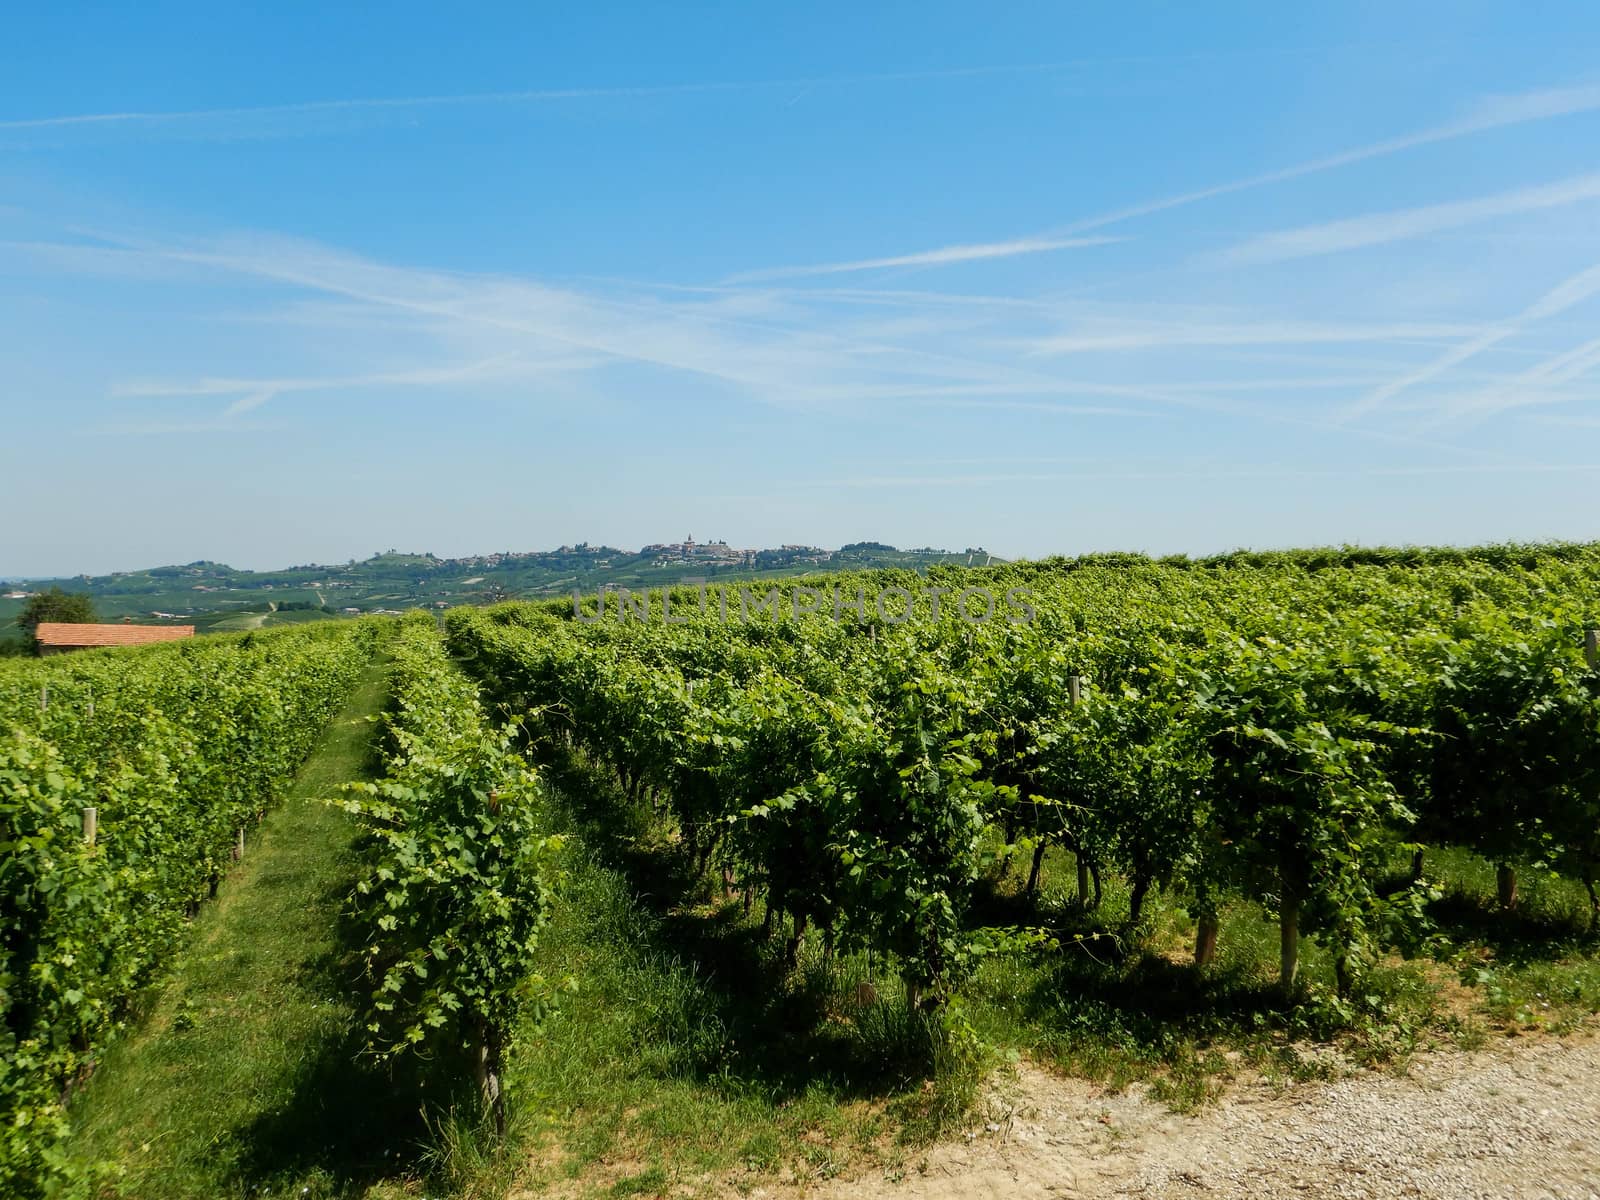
(244, 1076)
(1119, 1005)
(1126, 1005)
(1536, 969)
(690, 1056)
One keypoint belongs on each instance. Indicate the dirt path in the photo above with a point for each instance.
(1497, 1124)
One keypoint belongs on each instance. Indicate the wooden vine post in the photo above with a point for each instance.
(91, 825)
(1205, 939)
(1075, 698)
(1505, 886)
(1591, 648)
(1289, 936)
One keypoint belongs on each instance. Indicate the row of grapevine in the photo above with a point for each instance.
(858, 816)
(461, 878)
(1282, 731)
(175, 748)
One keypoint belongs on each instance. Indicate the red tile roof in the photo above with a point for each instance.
(60, 633)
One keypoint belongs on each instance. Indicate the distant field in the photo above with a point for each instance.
(216, 598)
(260, 620)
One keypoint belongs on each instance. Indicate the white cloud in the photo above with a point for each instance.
(1377, 229)
(227, 122)
(1569, 292)
(943, 256)
(253, 393)
(1542, 383)
(1204, 473)
(796, 357)
(169, 428)
(1495, 113)
(1258, 333)
(798, 351)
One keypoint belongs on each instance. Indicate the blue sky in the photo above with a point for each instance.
(307, 282)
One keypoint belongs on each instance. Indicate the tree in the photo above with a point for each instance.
(71, 608)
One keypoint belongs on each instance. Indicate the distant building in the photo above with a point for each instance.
(57, 637)
(717, 553)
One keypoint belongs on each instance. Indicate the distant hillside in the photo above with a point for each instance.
(214, 596)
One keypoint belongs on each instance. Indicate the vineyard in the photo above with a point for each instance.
(874, 827)
(1282, 731)
(129, 781)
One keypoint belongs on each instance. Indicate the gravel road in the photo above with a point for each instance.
(1517, 1122)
